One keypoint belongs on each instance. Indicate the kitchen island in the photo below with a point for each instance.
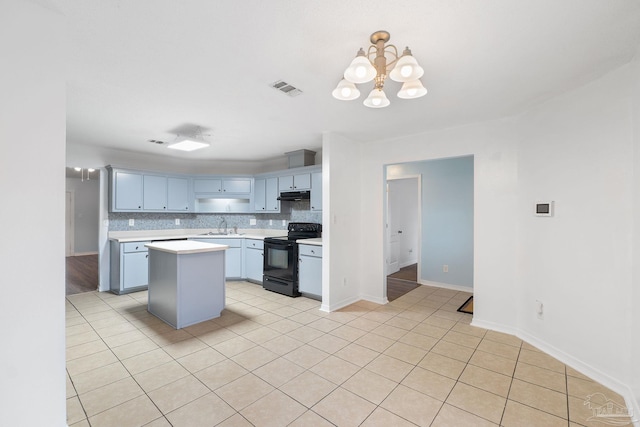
(186, 281)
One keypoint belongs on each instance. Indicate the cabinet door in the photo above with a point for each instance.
(135, 269)
(316, 191)
(233, 262)
(259, 195)
(202, 185)
(272, 203)
(302, 181)
(154, 193)
(285, 183)
(310, 275)
(253, 264)
(238, 186)
(178, 194)
(127, 191)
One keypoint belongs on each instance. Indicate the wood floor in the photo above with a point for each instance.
(402, 281)
(81, 274)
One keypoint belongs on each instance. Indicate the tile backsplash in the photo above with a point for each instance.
(166, 221)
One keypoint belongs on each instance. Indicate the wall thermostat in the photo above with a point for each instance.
(544, 208)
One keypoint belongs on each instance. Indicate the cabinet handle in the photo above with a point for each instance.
(136, 248)
(146, 256)
(313, 252)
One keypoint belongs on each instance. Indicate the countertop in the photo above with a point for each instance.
(314, 242)
(146, 235)
(180, 247)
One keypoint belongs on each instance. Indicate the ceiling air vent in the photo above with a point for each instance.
(286, 88)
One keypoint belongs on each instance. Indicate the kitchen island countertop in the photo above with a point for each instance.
(180, 247)
(158, 235)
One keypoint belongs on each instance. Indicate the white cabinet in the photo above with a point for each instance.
(253, 260)
(316, 192)
(265, 197)
(310, 270)
(294, 182)
(233, 256)
(129, 267)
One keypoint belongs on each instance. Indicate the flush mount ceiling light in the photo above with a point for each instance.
(190, 143)
(374, 65)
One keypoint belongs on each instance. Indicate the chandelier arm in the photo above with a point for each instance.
(371, 51)
(394, 53)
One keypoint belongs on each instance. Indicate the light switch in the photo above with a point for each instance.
(252, 221)
(131, 222)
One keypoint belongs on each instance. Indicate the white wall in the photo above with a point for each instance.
(583, 151)
(86, 213)
(577, 150)
(494, 147)
(635, 297)
(341, 218)
(32, 135)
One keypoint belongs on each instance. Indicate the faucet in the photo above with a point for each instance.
(223, 221)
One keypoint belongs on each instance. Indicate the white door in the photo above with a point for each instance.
(69, 231)
(393, 234)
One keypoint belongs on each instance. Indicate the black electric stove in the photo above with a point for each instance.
(280, 268)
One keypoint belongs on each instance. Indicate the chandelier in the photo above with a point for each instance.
(374, 65)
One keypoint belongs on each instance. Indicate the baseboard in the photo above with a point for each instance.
(447, 286)
(615, 385)
(407, 264)
(84, 253)
(375, 300)
(341, 304)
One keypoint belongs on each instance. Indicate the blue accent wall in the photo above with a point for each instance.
(447, 217)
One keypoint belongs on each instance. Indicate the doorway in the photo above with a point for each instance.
(403, 235)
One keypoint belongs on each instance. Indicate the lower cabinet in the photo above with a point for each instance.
(310, 270)
(233, 255)
(253, 260)
(129, 267)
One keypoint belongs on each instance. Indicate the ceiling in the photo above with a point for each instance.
(151, 69)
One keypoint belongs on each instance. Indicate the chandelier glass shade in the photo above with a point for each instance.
(381, 60)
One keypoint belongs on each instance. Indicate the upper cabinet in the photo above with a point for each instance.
(315, 203)
(132, 191)
(126, 191)
(294, 182)
(225, 185)
(141, 191)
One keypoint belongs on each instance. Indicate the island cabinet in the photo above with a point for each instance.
(296, 182)
(129, 267)
(310, 270)
(186, 282)
(233, 256)
(253, 260)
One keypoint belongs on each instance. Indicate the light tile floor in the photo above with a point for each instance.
(271, 360)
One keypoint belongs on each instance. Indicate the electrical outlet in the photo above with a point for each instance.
(445, 268)
(177, 221)
(284, 222)
(131, 222)
(252, 221)
(270, 222)
(539, 309)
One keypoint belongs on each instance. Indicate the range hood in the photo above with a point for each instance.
(294, 196)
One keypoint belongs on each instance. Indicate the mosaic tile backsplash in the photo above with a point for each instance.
(166, 221)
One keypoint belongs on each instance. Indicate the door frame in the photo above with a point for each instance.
(386, 243)
(69, 245)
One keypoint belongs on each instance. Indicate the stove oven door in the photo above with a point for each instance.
(279, 260)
